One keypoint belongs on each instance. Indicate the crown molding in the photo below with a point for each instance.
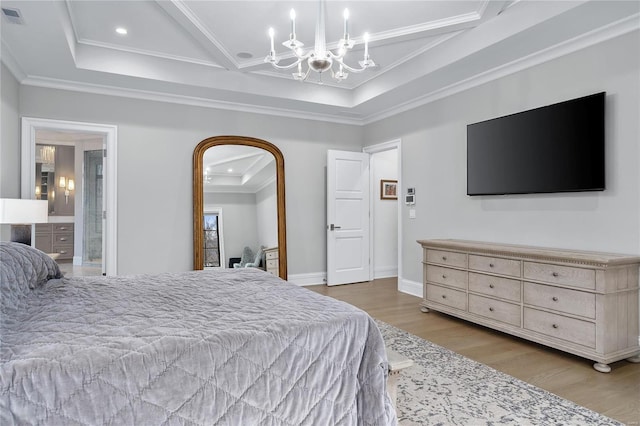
(10, 62)
(592, 38)
(98, 89)
(238, 189)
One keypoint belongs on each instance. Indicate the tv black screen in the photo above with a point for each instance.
(555, 148)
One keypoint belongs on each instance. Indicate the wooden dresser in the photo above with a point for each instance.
(55, 238)
(271, 257)
(585, 303)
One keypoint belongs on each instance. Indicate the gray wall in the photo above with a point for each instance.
(9, 135)
(239, 221)
(9, 141)
(156, 140)
(434, 160)
(384, 165)
(267, 215)
(155, 145)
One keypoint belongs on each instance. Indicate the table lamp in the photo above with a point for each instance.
(21, 214)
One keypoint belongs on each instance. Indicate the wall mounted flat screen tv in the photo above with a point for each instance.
(555, 148)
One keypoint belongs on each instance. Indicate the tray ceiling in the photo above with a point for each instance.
(212, 53)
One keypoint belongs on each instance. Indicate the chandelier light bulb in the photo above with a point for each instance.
(366, 46)
(345, 14)
(271, 34)
(292, 15)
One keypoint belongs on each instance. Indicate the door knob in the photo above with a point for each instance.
(333, 227)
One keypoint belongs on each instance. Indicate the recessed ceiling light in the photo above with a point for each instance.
(230, 170)
(121, 31)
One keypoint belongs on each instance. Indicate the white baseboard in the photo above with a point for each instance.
(313, 278)
(77, 260)
(385, 272)
(413, 288)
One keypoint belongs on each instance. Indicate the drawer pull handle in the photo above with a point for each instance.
(555, 274)
(63, 239)
(555, 326)
(555, 299)
(491, 265)
(444, 258)
(444, 296)
(63, 252)
(490, 285)
(491, 309)
(63, 228)
(444, 276)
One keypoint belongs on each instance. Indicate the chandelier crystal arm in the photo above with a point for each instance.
(351, 69)
(284, 67)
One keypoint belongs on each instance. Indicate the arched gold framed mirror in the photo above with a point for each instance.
(198, 195)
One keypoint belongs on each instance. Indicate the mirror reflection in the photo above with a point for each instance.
(237, 180)
(240, 207)
(55, 178)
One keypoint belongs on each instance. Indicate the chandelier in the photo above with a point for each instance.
(320, 59)
(47, 154)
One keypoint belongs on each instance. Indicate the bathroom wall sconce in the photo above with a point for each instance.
(68, 185)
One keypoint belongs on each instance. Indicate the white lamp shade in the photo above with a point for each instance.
(23, 212)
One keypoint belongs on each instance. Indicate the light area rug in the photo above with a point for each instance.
(446, 388)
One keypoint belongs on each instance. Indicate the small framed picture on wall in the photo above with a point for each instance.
(388, 189)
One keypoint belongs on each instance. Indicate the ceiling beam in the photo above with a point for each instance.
(187, 19)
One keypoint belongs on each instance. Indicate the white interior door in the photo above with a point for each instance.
(348, 237)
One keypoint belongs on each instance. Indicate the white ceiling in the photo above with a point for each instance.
(195, 52)
(237, 168)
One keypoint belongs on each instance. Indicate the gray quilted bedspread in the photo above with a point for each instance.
(228, 347)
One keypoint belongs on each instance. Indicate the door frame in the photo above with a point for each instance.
(110, 135)
(373, 149)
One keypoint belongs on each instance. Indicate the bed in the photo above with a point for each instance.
(223, 347)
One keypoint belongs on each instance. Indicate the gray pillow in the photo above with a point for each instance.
(22, 269)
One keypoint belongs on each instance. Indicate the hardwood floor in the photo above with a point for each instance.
(616, 395)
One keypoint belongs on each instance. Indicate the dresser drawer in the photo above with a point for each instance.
(447, 276)
(560, 299)
(504, 288)
(495, 265)
(63, 238)
(562, 275)
(64, 252)
(558, 326)
(495, 309)
(272, 263)
(447, 296)
(271, 255)
(448, 258)
(62, 227)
